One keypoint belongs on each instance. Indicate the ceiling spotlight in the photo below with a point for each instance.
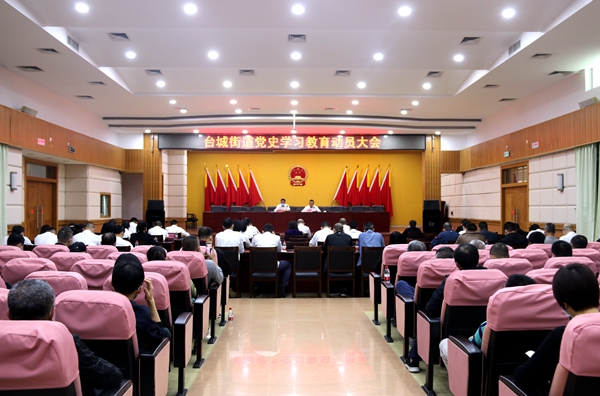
(238, 111)
(130, 54)
(404, 11)
(294, 102)
(426, 86)
(390, 132)
(342, 132)
(190, 9)
(196, 131)
(160, 83)
(458, 58)
(361, 85)
(200, 135)
(172, 101)
(438, 132)
(183, 110)
(348, 111)
(296, 55)
(147, 131)
(378, 56)
(294, 111)
(293, 131)
(385, 136)
(508, 13)
(294, 84)
(82, 7)
(415, 102)
(298, 9)
(404, 112)
(355, 102)
(213, 54)
(233, 101)
(227, 84)
(245, 132)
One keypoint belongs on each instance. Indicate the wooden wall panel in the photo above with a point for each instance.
(134, 161)
(450, 161)
(4, 124)
(152, 170)
(432, 188)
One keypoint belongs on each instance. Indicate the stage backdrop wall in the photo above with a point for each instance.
(324, 173)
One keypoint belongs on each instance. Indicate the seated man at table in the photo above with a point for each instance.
(338, 238)
(320, 235)
(269, 239)
(175, 229)
(119, 231)
(215, 273)
(47, 236)
(369, 238)
(158, 230)
(282, 207)
(446, 236)
(304, 228)
(311, 207)
(353, 232)
(205, 235)
(228, 237)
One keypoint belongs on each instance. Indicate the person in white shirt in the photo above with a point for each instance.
(47, 236)
(17, 230)
(321, 235)
(354, 233)
(568, 233)
(87, 236)
(269, 239)
(240, 227)
(304, 228)
(344, 225)
(126, 233)
(228, 237)
(118, 231)
(311, 207)
(175, 229)
(133, 225)
(251, 231)
(158, 230)
(282, 207)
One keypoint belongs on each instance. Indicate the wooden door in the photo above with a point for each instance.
(40, 207)
(516, 206)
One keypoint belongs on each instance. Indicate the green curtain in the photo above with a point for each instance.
(586, 169)
(4, 179)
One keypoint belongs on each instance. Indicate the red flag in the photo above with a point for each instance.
(231, 189)
(243, 194)
(341, 194)
(353, 196)
(363, 190)
(386, 193)
(209, 190)
(221, 191)
(255, 195)
(374, 190)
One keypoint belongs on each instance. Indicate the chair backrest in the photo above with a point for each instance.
(142, 249)
(510, 266)
(7, 247)
(94, 271)
(592, 254)
(178, 280)
(430, 276)
(38, 356)
(409, 262)
(488, 247)
(484, 255)
(578, 370)
(258, 209)
(194, 260)
(537, 257)
(65, 260)
(594, 245)
(4, 304)
(557, 262)
(341, 258)
(307, 259)
(60, 281)
(546, 247)
(7, 255)
(369, 258)
(263, 259)
(542, 276)
(2, 283)
(46, 251)
(391, 254)
(452, 246)
(100, 251)
(232, 255)
(18, 269)
(141, 256)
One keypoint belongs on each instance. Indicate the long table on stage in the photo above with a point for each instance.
(380, 220)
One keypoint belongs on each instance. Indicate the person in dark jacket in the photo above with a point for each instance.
(446, 236)
(338, 238)
(141, 237)
(512, 237)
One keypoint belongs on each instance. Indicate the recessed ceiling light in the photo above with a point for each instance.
(196, 131)
(200, 135)
(130, 54)
(426, 86)
(355, 102)
(298, 9)
(415, 102)
(294, 84)
(82, 7)
(404, 112)
(438, 132)
(172, 101)
(508, 13)
(458, 58)
(378, 56)
(147, 131)
(294, 102)
(160, 83)
(404, 11)
(296, 55)
(342, 132)
(348, 111)
(390, 132)
(238, 111)
(294, 111)
(361, 85)
(227, 84)
(183, 110)
(293, 131)
(385, 136)
(233, 101)
(245, 132)
(213, 54)
(190, 9)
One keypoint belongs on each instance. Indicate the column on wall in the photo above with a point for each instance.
(174, 167)
(152, 170)
(432, 189)
(83, 186)
(15, 200)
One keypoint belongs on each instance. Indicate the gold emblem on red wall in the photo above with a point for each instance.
(298, 175)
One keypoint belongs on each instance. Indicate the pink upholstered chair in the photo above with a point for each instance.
(65, 260)
(391, 253)
(408, 265)
(542, 276)
(7, 255)
(60, 281)
(592, 254)
(537, 257)
(546, 247)
(46, 251)
(2, 283)
(142, 249)
(100, 252)
(510, 266)
(94, 271)
(17, 269)
(3, 304)
(594, 245)
(510, 248)
(557, 262)
(452, 246)
(196, 264)
(484, 255)
(141, 256)
(38, 357)
(389, 257)
(7, 247)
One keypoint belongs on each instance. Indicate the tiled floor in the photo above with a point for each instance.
(304, 346)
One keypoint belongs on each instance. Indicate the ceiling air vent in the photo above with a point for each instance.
(84, 97)
(29, 68)
(342, 73)
(246, 72)
(561, 72)
(153, 72)
(330, 108)
(507, 99)
(541, 56)
(97, 83)
(435, 74)
(118, 36)
(254, 108)
(514, 48)
(74, 44)
(491, 86)
(297, 38)
(49, 51)
(470, 40)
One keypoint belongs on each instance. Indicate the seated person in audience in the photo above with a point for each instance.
(345, 225)
(16, 240)
(461, 228)
(109, 239)
(205, 235)
(549, 230)
(520, 231)
(466, 257)
(575, 289)
(108, 226)
(175, 229)
(536, 237)
(18, 230)
(470, 234)
(311, 207)
(282, 207)
(499, 250)
(512, 238)
(33, 299)
(338, 238)
(228, 237)
(157, 230)
(251, 230)
(369, 238)
(491, 237)
(269, 239)
(568, 233)
(354, 232)
(304, 228)
(65, 236)
(535, 228)
(159, 253)
(133, 222)
(215, 273)
(126, 232)
(141, 237)
(77, 247)
(240, 227)
(412, 231)
(128, 279)
(562, 249)
(480, 245)
(87, 236)
(320, 235)
(444, 253)
(47, 236)
(579, 242)
(292, 230)
(416, 246)
(395, 238)
(119, 231)
(444, 237)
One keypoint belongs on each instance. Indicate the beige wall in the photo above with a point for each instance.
(83, 185)
(174, 167)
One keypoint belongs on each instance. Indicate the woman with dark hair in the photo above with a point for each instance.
(395, 238)
(141, 237)
(293, 230)
(156, 253)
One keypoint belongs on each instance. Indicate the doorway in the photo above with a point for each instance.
(40, 197)
(515, 195)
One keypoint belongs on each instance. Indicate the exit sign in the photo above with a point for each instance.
(506, 154)
(41, 142)
(535, 145)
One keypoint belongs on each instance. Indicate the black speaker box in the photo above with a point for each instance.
(432, 221)
(156, 205)
(154, 215)
(431, 205)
